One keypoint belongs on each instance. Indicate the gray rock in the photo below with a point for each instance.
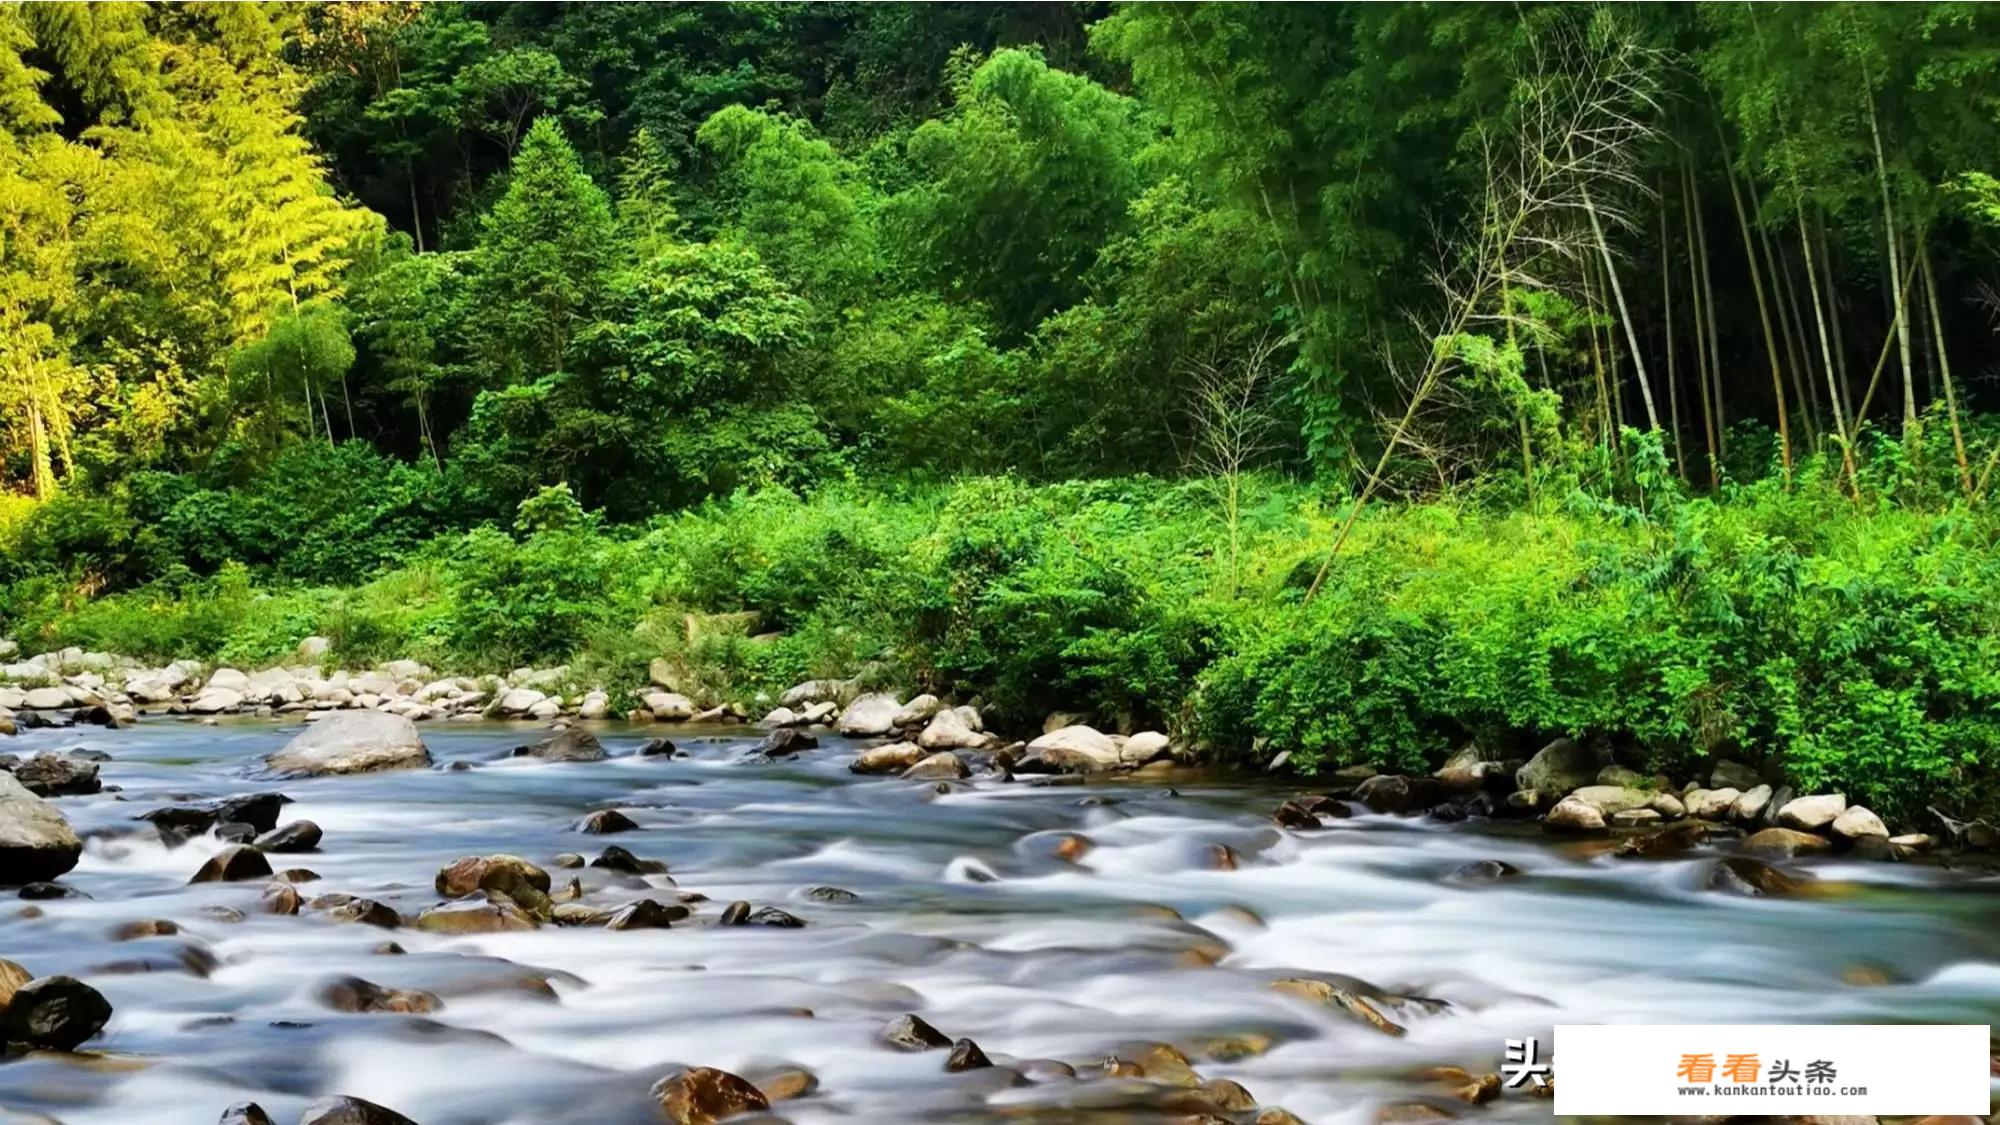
(1785, 843)
(1075, 749)
(1572, 815)
(352, 742)
(1146, 746)
(351, 1111)
(1559, 767)
(943, 765)
(669, 706)
(36, 842)
(948, 730)
(1611, 799)
(567, 745)
(1809, 814)
(1857, 822)
(56, 1013)
(1733, 775)
(870, 715)
(1749, 807)
(917, 711)
(215, 700)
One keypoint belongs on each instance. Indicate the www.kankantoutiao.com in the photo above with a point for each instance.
(1750, 1091)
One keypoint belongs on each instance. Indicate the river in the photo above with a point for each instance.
(965, 914)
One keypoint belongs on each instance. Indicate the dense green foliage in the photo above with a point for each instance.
(1058, 353)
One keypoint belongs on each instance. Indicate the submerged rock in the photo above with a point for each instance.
(352, 742)
(352, 994)
(245, 1113)
(615, 858)
(645, 914)
(1741, 875)
(298, 836)
(966, 1055)
(1786, 843)
(48, 774)
(476, 913)
(941, 766)
(604, 822)
(784, 742)
(893, 758)
(36, 842)
(1342, 999)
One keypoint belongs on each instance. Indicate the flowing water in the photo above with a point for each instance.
(965, 915)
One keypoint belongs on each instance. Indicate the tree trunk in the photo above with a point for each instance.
(1673, 374)
(1714, 332)
(1944, 368)
(1701, 350)
(1902, 305)
(1763, 310)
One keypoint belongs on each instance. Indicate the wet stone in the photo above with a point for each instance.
(645, 914)
(57, 1013)
(1483, 869)
(911, 1033)
(615, 858)
(604, 822)
(830, 894)
(704, 1095)
(966, 1055)
(44, 891)
(144, 928)
(352, 994)
(232, 864)
(279, 898)
(298, 836)
(245, 1113)
(365, 911)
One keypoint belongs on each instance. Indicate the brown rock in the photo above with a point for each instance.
(1334, 996)
(645, 914)
(232, 864)
(352, 994)
(911, 1033)
(279, 898)
(351, 1111)
(704, 1095)
(129, 931)
(1786, 843)
(476, 913)
(966, 1055)
(55, 1013)
(604, 822)
(787, 1083)
(1741, 875)
(366, 911)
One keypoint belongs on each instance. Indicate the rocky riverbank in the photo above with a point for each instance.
(427, 911)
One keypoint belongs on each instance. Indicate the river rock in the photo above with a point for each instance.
(1749, 808)
(352, 742)
(780, 717)
(814, 691)
(298, 836)
(233, 864)
(46, 699)
(704, 1095)
(1483, 869)
(1612, 799)
(1786, 843)
(966, 1055)
(1667, 805)
(645, 914)
(56, 1013)
(1559, 767)
(1733, 775)
(351, 1111)
(604, 822)
(869, 715)
(36, 843)
(668, 706)
(1635, 818)
(917, 711)
(948, 730)
(1669, 842)
(893, 758)
(615, 858)
(1856, 823)
(1145, 747)
(595, 705)
(943, 765)
(785, 742)
(911, 1033)
(476, 913)
(215, 700)
(360, 911)
(818, 713)
(1573, 815)
(1341, 999)
(279, 898)
(1072, 749)
(509, 877)
(1712, 804)
(245, 1113)
(1810, 814)
(352, 994)
(1741, 875)
(570, 744)
(49, 774)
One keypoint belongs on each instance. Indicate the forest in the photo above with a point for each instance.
(1347, 380)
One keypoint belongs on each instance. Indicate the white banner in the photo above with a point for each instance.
(1700, 1069)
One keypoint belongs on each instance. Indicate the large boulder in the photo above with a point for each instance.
(352, 742)
(1574, 815)
(870, 715)
(918, 711)
(1558, 768)
(669, 706)
(1785, 843)
(1612, 799)
(1072, 749)
(46, 699)
(1810, 814)
(36, 843)
(943, 765)
(1145, 747)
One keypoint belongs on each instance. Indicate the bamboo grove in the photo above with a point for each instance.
(660, 252)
